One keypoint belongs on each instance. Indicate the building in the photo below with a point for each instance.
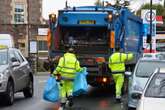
(21, 18)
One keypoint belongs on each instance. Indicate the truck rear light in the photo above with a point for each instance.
(104, 80)
(52, 18)
(112, 39)
(110, 17)
(100, 59)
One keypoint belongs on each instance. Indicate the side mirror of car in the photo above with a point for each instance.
(128, 73)
(136, 95)
(15, 64)
(13, 59)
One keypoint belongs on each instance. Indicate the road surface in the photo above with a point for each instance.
(96, 99)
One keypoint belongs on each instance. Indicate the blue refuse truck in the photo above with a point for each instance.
(94, 31)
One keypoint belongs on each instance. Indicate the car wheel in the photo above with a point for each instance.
(129, 108)
(9, 96)
(28, 91)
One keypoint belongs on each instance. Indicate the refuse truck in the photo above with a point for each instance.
(94, 31)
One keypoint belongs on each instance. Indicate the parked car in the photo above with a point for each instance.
(153, 96)
(139, 77)
(15, 75)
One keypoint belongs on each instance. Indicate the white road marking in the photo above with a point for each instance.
(42, 81)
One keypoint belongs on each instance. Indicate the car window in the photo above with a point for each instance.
(11, 54)
(19, 57)
(146, 68)
(156, 87)
(3, 57)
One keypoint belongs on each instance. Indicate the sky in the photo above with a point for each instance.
(52, 6)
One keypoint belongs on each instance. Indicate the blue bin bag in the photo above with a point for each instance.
(51, 90)
(80, 83)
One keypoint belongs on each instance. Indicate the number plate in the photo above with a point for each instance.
(87, 22)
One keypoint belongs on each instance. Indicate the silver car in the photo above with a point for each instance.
(153, 95)
(15, 75)
(143, 69)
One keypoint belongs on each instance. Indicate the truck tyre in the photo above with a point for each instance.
(9, 95)
(29, 90)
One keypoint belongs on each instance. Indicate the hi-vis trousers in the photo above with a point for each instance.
(119, 81)
(66, 89)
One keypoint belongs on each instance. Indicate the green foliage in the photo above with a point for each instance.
(160, 10)
(98, 3)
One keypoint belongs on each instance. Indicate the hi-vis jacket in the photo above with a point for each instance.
(117, 61)
(68, 65)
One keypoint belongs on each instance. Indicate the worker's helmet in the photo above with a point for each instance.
(71, 50)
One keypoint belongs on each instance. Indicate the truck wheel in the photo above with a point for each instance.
(28, 91)
(9, 96)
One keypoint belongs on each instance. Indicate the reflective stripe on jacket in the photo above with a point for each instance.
(117, 61)
(68, 65)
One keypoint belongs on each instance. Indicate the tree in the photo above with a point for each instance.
(160, 10)
(98, 3)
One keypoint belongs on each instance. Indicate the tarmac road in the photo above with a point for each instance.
(96, 99)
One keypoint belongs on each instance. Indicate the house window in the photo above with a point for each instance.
(19, 18)
(42, 46)
(19, 13)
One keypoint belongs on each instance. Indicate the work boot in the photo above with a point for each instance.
(62, 106)
(118, 99)
(70, 101)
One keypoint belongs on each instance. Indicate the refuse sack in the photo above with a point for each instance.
(51, 90)
(80, 83)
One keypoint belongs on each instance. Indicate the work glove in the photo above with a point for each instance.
(58, 77)
(84, 71)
